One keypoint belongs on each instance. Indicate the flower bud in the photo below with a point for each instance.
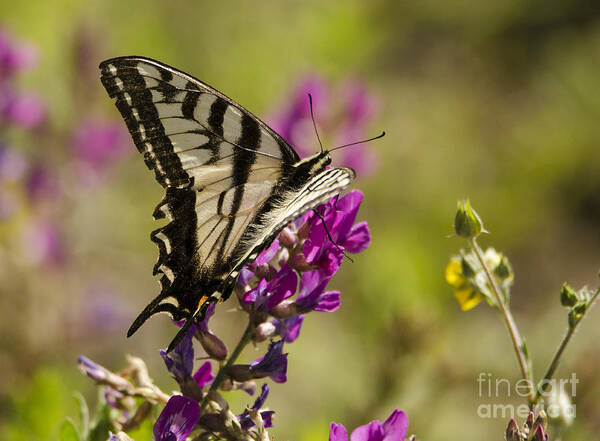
(576, 313)
(568, 297)
(240, 372)
(529, 422)
(264, 271)
(580, 308)
(467, 222)
(503, 270)
(212, 344)
(303, 231)
(247, 386)
(212, 421)
(538, 434)
(287, 237)
(512, 431)
(264, 331)
(283, 256)
(285, 309)
(541, 420)
(299, 263)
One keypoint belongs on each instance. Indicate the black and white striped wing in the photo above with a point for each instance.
(287, 207)
(217, 162)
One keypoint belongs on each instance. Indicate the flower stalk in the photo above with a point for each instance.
(221, 374)
(511, 325)
(543, 384)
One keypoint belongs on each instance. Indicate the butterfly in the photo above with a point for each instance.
(231, 182)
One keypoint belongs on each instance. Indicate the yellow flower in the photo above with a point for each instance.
(467, 298)
(464, 293)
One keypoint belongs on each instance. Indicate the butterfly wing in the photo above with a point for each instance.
(224, 173)
(281, 209)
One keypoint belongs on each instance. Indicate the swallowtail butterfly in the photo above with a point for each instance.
(231, 183)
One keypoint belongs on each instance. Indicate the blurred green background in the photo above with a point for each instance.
(498, 101)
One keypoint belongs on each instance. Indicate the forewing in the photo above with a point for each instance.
(189, 133)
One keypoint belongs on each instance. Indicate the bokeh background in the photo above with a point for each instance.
(498, 101)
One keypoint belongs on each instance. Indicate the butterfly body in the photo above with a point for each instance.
(231, 183)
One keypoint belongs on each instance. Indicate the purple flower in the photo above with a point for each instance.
(267, 415)
(12, 164)
(180, 361)
(177, 419)
(311, 296)
(339, 215)
(267, 254)
(343, 121)
(43, 244)
(98, 144)
(204, 375)
(293, 122)
(91, 369)
(393, 429)
(272, 365)
(101, 310)
(359, 108)
(23, 109)
(112, 397)
(261, 262)
(40, 183)
(203, 324)
(14, 56)
(212, 344)
(289, 328)
(267, 295)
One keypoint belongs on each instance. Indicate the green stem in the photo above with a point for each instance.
(221, 374)
(543, 384)
(517, 341)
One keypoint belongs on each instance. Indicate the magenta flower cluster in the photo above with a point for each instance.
(20, 108)
(393, 429)
(341, 121)
(286, 281)
(31, 183)
(302, 260)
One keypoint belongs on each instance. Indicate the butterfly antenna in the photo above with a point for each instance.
(312, 116)
(331, 238)
(381, 135)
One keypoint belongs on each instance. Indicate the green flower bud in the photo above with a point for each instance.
(568, 297)
(576, 313)
(467, 222)
(503, 270)
(580, 308)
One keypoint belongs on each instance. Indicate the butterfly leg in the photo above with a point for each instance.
(337, 196)
(331, 238)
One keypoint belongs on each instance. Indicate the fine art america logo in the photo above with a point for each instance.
(557, 396)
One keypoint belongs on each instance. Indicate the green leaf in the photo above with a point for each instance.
(68, 431)
(102, 424)
(84, 415)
